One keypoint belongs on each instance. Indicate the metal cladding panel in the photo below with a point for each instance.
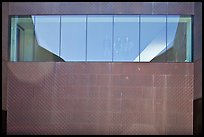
(197, 32)
(180, 8)
(4, 52)
(159, 8)
(198, 79)
(4, 85)
(25, 8)
(5, 26)
(32, 8)
(197, 54)
(99, 98)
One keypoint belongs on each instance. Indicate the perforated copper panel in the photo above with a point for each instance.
(24, 8)
(85, 98)
(99, 98)
(198, 79)
(180, 8)
(4, 53)
(5, 31)
(159, 8)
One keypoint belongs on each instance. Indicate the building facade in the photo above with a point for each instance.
(158, 97)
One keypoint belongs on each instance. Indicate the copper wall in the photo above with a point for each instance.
(31, 8)
(4, 52)
(100, 98)
(197, 124)
(198, 50)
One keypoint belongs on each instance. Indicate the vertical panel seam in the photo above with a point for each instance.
(166, 40)
(60, 45)
(86, 38)
(34, 56)
(113, 38)
(152, 7)
(139, 34)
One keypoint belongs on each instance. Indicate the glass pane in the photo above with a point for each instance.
(22, 38)
(145, 38)
(73, 38)
(179, 39)
(126, 38)
(99, 38)
(47, 30)
(153, 38)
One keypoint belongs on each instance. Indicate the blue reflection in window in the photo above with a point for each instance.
(73, 38)
(116, 38)
(126, 38)
(153, 37)
(99, 38)
(47, 30)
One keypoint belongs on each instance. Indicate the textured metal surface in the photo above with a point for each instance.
(197, 34)
(4, 52)
(4, 85)
(159, 8)
(99, 98)
(24, 8)
(197, 56)
(198, 79)
(43, 98)
(5, 13)
(132, 8)
(185, 8)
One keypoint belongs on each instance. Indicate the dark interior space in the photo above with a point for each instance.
(197, 117)
(3, 129)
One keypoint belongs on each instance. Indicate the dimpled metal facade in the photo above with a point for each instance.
(100, 98)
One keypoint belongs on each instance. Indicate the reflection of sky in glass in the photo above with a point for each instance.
(73, 38)
(47, 30)
(153, 36)
(172, 24)
(100, 37)
(126, 38)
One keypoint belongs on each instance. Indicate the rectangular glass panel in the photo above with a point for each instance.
(179, 39)
(22, 39)
(126, 38)
(153, 38)
(73, 38)
(47, 30)
(47, 42)
(99, 38)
